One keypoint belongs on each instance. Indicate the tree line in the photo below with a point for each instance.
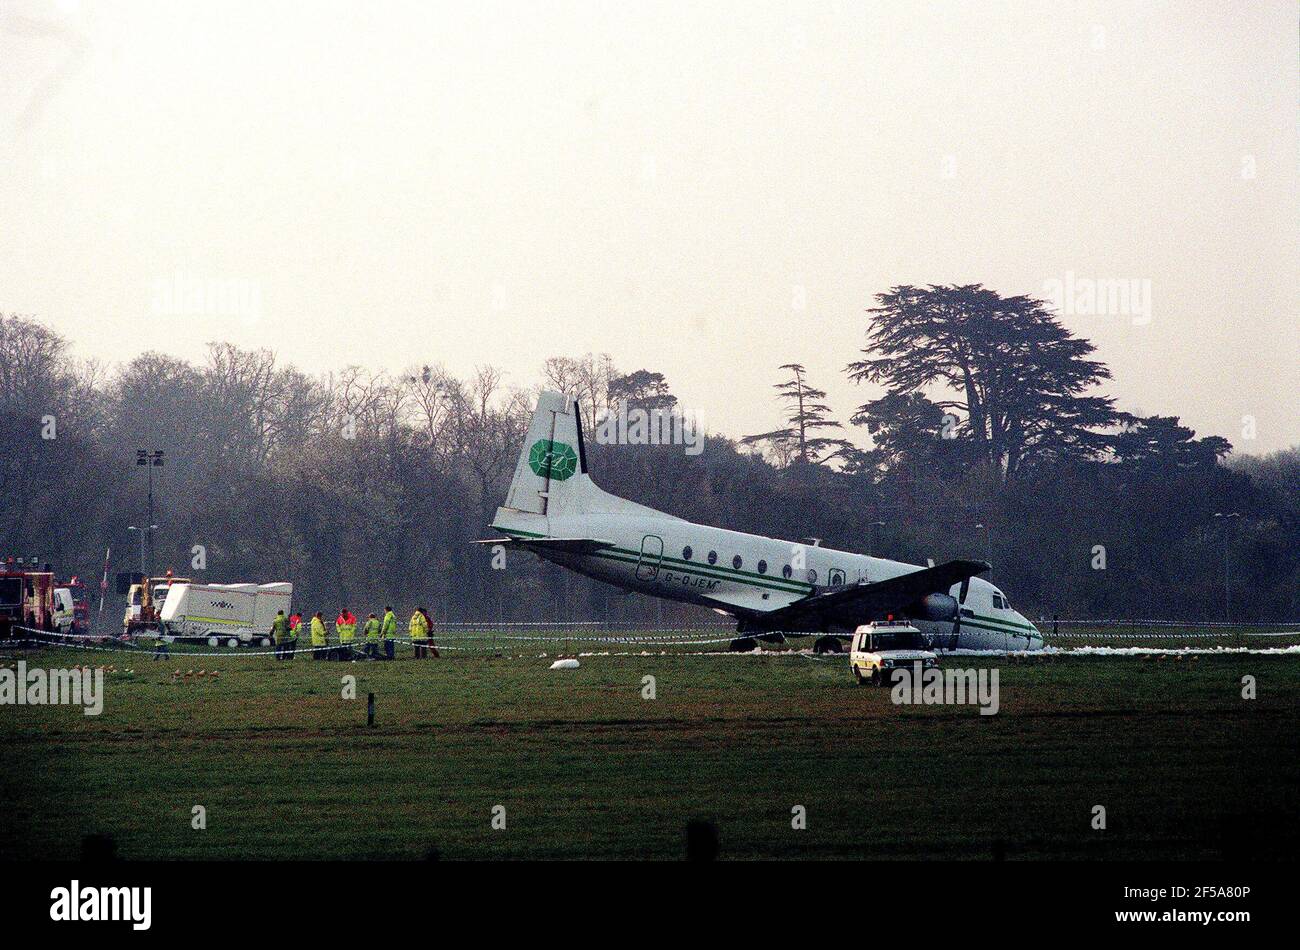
(366, 487)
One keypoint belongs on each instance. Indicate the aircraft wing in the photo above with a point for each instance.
(853, 604)
(558, 545)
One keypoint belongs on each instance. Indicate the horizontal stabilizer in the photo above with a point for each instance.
(558, 545)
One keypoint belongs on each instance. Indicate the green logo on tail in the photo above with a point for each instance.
(552, 459)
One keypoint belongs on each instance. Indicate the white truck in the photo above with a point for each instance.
(65, 614)
(233, 614)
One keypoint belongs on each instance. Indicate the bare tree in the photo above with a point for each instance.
(434, 396)
(586, 378)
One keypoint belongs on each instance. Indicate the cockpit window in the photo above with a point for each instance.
(999, 602)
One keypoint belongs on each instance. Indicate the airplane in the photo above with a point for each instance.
(772, 588)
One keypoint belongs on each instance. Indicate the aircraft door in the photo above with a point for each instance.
(652, 551)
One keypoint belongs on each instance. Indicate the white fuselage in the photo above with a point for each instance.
(553, 502)
(657, 554)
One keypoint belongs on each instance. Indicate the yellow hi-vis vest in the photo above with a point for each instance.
(318, 638)
(346, 630)
(372, 630)
(419, 628)
(390, 626)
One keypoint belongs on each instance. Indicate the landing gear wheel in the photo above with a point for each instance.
(828, 645)
(743, 645)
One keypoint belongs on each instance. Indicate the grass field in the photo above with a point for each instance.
(585, 767)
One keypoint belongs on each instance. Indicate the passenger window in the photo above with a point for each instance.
(736, 562)
(786, 572)
(762, 567)
(686, 553)
(713, 557)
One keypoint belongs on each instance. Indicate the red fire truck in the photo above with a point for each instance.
(80, 605)
(26, 600)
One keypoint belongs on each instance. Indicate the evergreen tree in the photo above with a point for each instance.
(798, 442)
(1019, 379)
(641, 389)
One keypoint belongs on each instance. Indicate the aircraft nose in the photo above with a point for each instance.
(1035, 638)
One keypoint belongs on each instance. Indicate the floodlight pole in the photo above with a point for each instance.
(988, 542)
(149, 461)
(1227, 555)
(871, 536)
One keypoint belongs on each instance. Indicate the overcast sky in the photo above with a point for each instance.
(708, 189)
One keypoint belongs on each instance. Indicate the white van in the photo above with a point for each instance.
(64, 612)
(232, 614)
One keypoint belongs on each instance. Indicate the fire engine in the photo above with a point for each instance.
(26, 599)
(80, 605)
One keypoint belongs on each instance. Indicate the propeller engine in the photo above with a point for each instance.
(934, 607)
(956, 625)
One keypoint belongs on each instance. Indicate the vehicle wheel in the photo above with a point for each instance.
(876, 678)
(743, 644)
(857, 677)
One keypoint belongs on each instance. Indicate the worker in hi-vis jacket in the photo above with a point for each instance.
(346, 625)
(389, 631)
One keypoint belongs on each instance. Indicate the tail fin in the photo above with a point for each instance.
(553, 458)
(551, 479)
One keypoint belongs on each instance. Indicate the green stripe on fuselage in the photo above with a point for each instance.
(721, 572)
(711, 571)
(1009, 631)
